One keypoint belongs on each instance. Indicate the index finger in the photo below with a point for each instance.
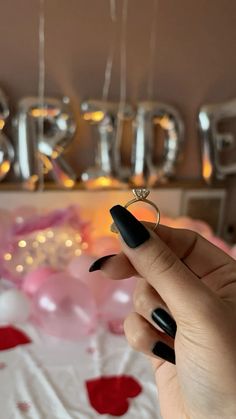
(198, 254)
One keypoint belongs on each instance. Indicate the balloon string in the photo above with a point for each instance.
(123, 81)
(123, 53)
(152, 49)
(41, 87)
(109, 64)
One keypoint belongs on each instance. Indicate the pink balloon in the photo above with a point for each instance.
(120, 302)
(79, 266)
(105, 245)
(99, 286)
(64, 307)
(34, 280)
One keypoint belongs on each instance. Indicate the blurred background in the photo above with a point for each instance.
(98, 98)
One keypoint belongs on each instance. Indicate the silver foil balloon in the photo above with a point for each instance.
(27, 164)
(103, 116)
(4, 108)
(6, 155)
(217, 147)
(6, 148)
(144, 170)
(45, 131)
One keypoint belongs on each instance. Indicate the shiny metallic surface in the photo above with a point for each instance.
(214, 142)
(6, 148)
(144, 170)
(6, 155)
(58, 129)
(26, 165)
(4, 107)
(104, 118)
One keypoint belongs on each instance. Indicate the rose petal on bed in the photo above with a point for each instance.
(10, 337)
(110, 395)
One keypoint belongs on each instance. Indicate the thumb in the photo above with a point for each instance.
(185, 295)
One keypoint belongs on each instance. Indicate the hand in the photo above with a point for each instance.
(186, 282)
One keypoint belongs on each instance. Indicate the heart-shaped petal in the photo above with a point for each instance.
(110, 395)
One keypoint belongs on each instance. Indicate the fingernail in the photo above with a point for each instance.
(163, 351)
(164, 321)
(132, 231)
(96, 266)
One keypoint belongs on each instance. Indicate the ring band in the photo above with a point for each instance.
(141, 196)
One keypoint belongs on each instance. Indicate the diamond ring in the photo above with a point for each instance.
(140, 195)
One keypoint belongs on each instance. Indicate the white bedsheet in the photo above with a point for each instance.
(46, 379)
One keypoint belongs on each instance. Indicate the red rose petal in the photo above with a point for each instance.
(10, 337)
(110, 394)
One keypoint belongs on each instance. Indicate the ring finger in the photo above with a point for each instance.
(149, 304)
(143, 337)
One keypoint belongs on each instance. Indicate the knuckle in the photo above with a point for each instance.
(139, 291)
(136, 336)
(136, 339)
(139, 300)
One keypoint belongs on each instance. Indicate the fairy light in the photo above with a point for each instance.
(78, 252)
(41, 238)
(7, 256)
(68, 243)
(84, 246)
(78, 238)
(29, 260)
(50, 234)
(19, 268)
(22, 243)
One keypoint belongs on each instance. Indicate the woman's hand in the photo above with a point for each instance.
(185, 315)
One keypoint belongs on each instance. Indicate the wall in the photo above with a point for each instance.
(195, 58)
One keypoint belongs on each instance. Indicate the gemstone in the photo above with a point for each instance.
(141, 193)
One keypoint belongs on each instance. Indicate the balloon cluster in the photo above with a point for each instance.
(55, 290)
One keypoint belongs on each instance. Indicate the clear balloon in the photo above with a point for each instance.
(119, 304)
(35, 279)
(14, 307)
(64, 307)
(100, 287)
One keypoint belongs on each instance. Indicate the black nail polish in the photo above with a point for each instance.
(163, 351)
(96, 266)
(132, 231)
(164, 321)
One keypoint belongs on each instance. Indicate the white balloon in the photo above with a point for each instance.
(14, 307)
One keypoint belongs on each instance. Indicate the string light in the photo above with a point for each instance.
(41, 238)
(29, 260)
(22, 243)
(78, 252)
(7, 256)
(50, 234)
(54, 247)
(19, 268)
(68, 243)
